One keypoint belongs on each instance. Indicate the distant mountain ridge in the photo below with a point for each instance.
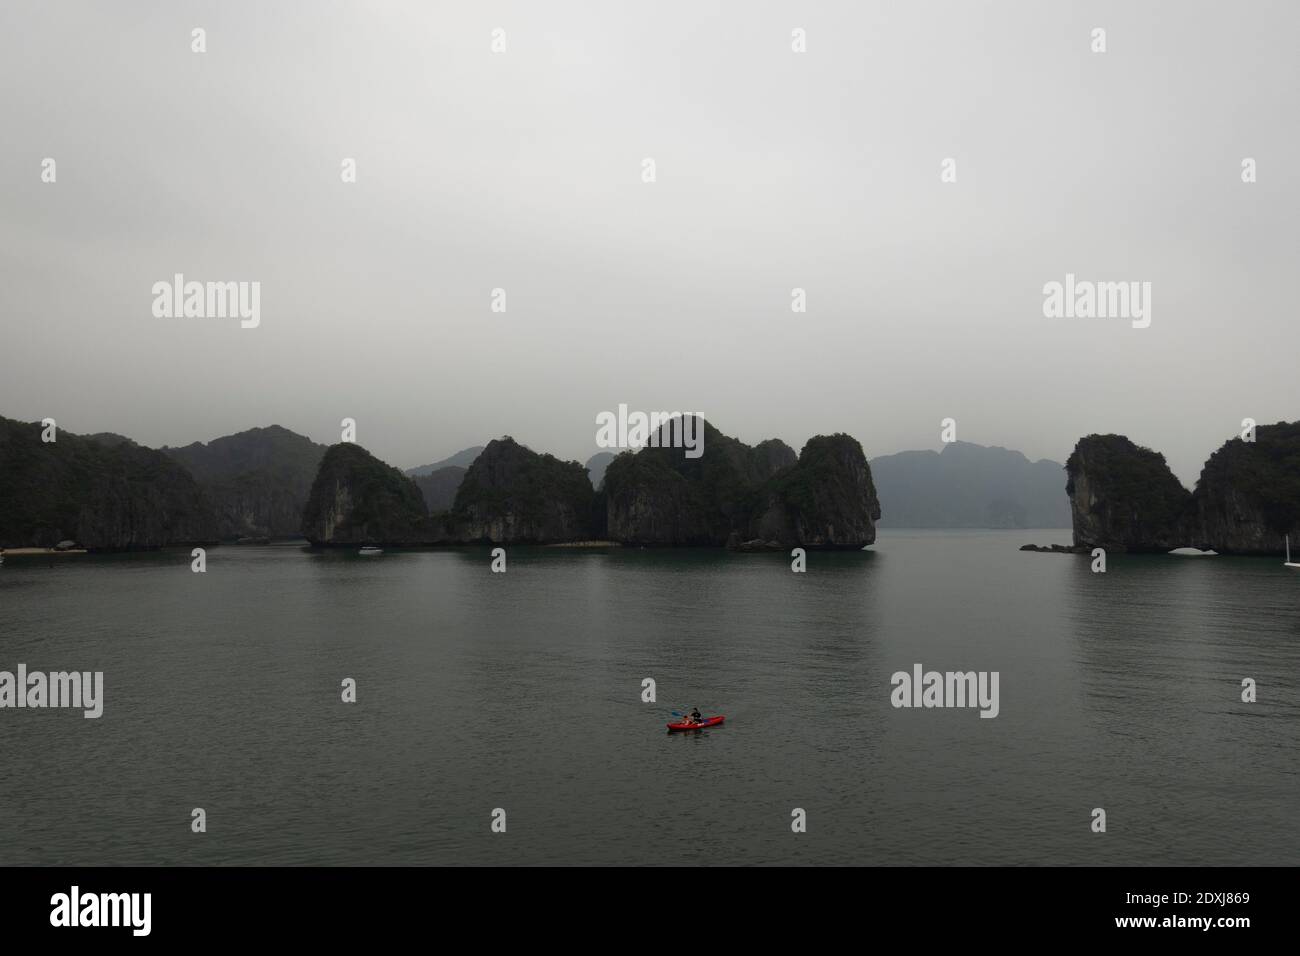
(257, 481)
(439, 487)
(596, 466)
(970, 486)
(462, 459)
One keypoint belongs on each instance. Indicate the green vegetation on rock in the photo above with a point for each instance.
(736, 494)
(1248, 494)
(1124, 497)
(358, 499)
(104, 493)
(257, 480)
(513, 494)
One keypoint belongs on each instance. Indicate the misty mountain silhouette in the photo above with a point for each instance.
(462, 459)
(970, 486)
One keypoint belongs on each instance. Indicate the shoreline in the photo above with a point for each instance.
(21, 552)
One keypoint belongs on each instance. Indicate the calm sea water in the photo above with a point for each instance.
(523, 691)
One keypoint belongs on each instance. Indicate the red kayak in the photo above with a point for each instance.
(691, 725)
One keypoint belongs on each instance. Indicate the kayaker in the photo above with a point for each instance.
(694, 716)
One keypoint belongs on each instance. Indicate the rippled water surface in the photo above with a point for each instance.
(523, 691)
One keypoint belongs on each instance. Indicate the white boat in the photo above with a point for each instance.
(369, 551)
(1289, 562)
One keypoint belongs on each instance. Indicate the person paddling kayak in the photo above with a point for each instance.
(694, 721)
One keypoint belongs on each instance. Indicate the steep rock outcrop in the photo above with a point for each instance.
(1124, 497)
(827, 500)
(773, 456)
(1248, 495)
(357, 499)
(733, 493)
(1247, 499)
(660, 496)
(106, 493)
(648, 502)
(512, 494)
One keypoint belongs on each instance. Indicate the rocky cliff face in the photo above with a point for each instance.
(734, 494)
(356, 499)
(1124, 497)
(772, 456)
(1248, 495)
(108, 494)
(827, 500)
(648, 502)
(659, 496)
(257, 480)
(511, 494)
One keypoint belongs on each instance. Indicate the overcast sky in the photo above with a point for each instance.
(523, 170)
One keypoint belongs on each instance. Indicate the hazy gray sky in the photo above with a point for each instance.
(775, 170)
